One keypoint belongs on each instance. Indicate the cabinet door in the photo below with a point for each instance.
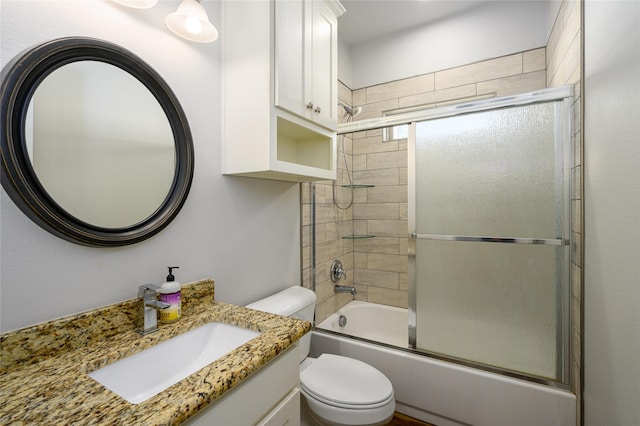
(306, 60)
(290, 45)
(286, 413)
(324, 67)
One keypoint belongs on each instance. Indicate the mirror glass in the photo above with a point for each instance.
(100, 144)
(96, 148)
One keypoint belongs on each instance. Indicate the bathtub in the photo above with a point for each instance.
(435, 391)
(363, 320)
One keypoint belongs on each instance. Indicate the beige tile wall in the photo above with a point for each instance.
(564, 66)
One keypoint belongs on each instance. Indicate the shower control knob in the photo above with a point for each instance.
(336, 271)
(310, 105)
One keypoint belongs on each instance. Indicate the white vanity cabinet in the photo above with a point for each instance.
(270, 397)
(279, 61)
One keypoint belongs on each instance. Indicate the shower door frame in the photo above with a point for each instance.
(564, 94)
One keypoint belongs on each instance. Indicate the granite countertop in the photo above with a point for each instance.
(43, 369)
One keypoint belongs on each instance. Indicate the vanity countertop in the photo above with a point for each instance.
(43, 369)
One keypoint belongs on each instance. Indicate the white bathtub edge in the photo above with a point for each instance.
(428, 387)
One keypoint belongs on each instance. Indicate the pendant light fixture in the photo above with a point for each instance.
(191, 22)
(137, 4)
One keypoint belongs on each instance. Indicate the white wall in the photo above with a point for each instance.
(612, 213)
(491, 30)
(344, 62)
(244, 233)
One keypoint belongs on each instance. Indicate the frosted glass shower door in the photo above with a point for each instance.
(490, 238)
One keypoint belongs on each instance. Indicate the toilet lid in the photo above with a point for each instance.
(345, 382)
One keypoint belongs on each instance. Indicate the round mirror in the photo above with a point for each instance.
(96, 148)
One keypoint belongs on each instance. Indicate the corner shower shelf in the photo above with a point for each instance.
(357, 237)
(358, 186)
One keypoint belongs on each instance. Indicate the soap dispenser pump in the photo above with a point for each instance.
(170, 293)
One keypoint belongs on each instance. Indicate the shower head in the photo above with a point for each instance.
(350, 112)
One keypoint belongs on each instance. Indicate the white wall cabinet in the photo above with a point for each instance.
(270, 397)
(280, 89)
(306, 59)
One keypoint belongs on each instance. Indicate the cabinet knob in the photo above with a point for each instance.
(310, 105)
(317, 110)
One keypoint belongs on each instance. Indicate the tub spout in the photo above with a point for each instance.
(344, 289)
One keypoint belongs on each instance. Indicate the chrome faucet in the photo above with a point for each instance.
(344, 289)
(150, 304)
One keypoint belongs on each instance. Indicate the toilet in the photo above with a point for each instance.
(337, 390)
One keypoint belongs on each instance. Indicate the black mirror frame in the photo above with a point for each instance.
(20, 78)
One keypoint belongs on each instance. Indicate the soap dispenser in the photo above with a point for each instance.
(170, 293)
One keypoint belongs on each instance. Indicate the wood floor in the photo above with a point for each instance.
(403, 420)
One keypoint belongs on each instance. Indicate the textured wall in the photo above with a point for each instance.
(612, 213)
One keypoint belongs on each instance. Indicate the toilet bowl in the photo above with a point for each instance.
(337, 390)
(346, 391)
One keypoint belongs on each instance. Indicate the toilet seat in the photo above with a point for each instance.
(345, 382)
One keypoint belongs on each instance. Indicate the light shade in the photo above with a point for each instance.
(191, 22)
(137, 4)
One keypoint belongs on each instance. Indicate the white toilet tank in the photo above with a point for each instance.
(294, 302)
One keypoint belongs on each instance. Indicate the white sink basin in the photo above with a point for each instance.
(147, 373)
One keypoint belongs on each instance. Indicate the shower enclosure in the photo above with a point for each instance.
(486, 232)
